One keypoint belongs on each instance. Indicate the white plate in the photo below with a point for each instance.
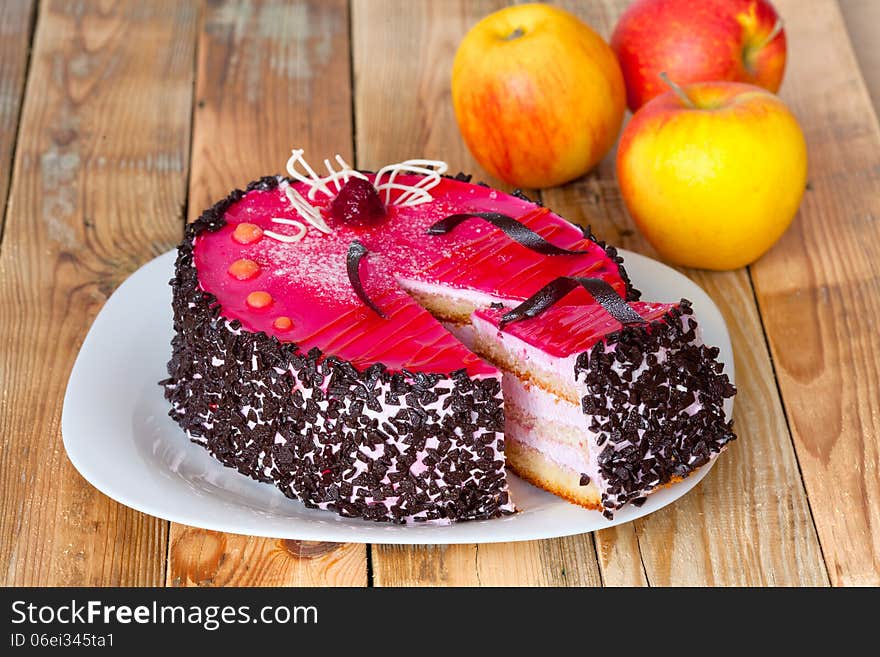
(118, 435)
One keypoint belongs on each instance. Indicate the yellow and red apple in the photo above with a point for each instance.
(712, 173)
(538, 95)
(697, 41)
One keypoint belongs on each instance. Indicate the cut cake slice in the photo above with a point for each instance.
(601, 411)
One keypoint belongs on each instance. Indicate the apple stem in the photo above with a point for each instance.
(516, 34)
(777, 28)
(678, 91)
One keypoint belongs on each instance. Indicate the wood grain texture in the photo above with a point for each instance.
(403, 61)
(98, 184)
(862, 19)
(819, 294)
(748, 523)
(206, 558)
(569, 561)
(271, 75)
(16, 19)
(620, 557)
(403, 56)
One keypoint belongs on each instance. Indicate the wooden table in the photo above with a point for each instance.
(120, 121)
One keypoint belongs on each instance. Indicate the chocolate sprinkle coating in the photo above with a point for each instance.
(652, 426)
(308, 422)
(520, 194)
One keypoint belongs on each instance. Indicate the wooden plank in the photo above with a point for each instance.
(863, 26)
(753, 502)
(97, 188)
(819, 294)
(748, 523)
(206, 558)
(16, 19)
(418, 41)
(271, 75)
(567, 561)
(403, 109)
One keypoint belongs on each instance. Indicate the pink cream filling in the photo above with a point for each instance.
(562, 454)
(543, 409)
(529, 355)
(539, 403)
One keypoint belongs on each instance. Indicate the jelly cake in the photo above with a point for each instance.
(322, 326)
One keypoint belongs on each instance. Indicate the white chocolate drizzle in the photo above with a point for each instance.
(300, 228)
(316, 183)
(306, 210)
(410, 195)
(329, 185)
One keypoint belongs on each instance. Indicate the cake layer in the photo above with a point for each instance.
(651, 394)
(531, 400)
(559, 443)
(538, 469)
(536, 420)
(446, 304)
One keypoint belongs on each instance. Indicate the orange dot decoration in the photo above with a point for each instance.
(283, 323)
(243, 269)
(246, 233)
(259, 299)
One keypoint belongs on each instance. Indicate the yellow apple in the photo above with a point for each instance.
(538, 95)
(713, 173)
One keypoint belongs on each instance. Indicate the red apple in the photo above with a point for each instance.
(538, 95)
(698, 41)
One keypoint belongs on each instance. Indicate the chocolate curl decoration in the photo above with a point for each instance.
(515, 230)
(356, 251)
(601, 291)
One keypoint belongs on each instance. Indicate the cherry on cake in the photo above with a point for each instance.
(383, 345)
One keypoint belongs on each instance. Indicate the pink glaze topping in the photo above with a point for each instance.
(308, 283)
(561, 331)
